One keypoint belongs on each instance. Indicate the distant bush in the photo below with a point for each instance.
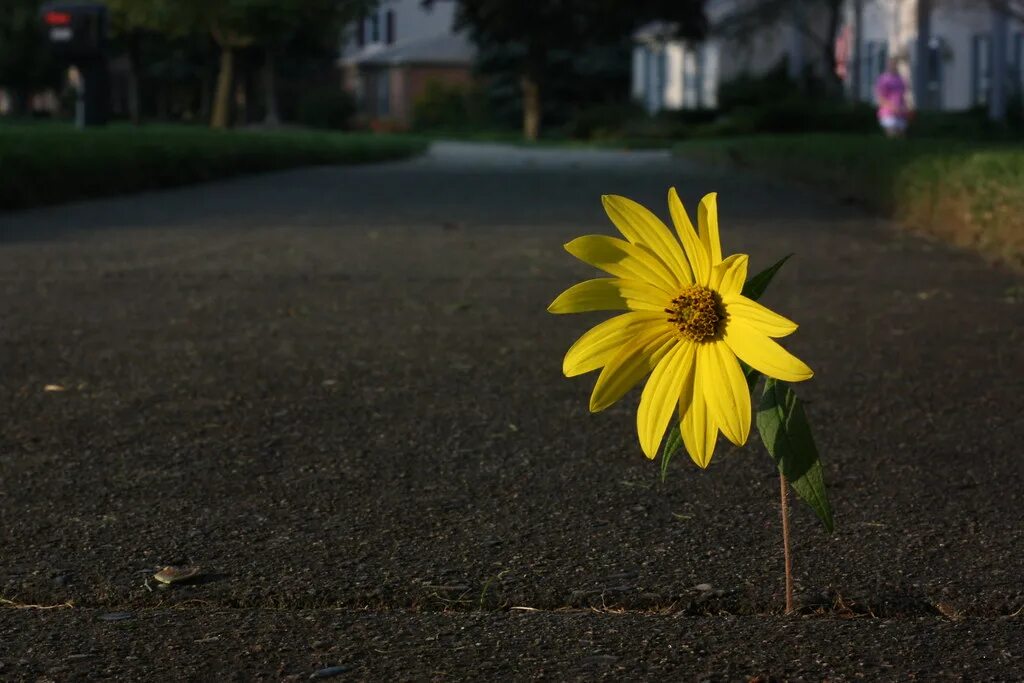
(793, 115)
(49, 163)
(446, 105)
(603, 121)
(748, 90)
(631, 121)
(325, 107)
(969, 193)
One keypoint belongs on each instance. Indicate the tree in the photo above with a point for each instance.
(277, 26)
(26, 60)
(271, 25)
(814, 20)
(533, 31)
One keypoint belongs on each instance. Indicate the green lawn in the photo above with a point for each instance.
(47, 163)
(971, 193)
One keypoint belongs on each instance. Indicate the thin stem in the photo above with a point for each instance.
(784, 504)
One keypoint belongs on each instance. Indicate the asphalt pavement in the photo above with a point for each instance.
(337, 392)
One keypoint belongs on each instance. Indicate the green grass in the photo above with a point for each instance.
(970, 193)
(46, 163)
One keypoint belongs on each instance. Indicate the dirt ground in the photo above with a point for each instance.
(338, 393)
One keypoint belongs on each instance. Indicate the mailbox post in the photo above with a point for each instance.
(77, 32)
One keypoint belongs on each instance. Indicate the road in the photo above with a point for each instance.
(338, 393)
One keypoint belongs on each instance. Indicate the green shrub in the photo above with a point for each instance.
(747, 90)
(52, 163)
(445, 105)
(326, 107)
(969, 193)
(603, 121)
(793, 115)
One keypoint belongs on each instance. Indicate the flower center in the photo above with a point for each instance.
(696, 312)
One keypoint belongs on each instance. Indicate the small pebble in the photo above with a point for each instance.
(330, 671)
(702, 587)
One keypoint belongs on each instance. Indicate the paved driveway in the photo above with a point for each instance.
(337, 391)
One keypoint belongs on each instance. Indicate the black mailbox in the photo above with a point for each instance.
(76, 30)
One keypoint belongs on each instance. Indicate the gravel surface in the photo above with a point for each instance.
(338, 393)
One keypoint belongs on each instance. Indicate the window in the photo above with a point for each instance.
(981, 70)
(389, 26)
(375, 28)
(1016, 59)
(361, 32)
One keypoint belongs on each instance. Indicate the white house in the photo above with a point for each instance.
(390, 56)
(669, 73)
(959, 70)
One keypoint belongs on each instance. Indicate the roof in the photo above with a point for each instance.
(446, 48)
(655, 32)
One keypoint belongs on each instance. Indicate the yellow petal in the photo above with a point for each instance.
(660, 397)
(609, 294)
(728, 276)
(725, 390)
(600, 343)
(696, 425)
(623, 260)
(696, 254)
(707, 220)
(755, 349)
(640, 226)
(762, 319)
(631, 364)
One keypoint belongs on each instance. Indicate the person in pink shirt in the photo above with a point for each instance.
(890, 95)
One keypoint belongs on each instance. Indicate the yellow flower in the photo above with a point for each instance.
(686, 324)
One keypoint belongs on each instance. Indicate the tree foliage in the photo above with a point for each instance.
(272, 26)
(816, 21)
(532, 34)
(26, 63)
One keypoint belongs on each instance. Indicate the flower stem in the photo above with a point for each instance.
(784, 504)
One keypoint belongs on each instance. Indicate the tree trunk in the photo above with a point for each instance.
(133, 78)
(855, 49)
(206, 82)
(222, 97)
(997, 66)
(795, 53)
(531, 106)
(832, 80)
(922, 72)
(17, 99)
(272, 116)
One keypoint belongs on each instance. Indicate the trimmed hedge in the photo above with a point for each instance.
(53, 163)
(971, 194)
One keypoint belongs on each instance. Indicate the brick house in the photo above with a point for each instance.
(389, 57)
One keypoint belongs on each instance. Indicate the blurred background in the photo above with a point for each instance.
(577, 69)
(811, 89)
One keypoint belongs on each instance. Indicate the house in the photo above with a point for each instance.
(672, 73)
(952, 63)
(391, 55)
(956, 71)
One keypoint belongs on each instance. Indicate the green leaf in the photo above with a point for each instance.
(755, 286)
(673, 442)
(787, 435)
